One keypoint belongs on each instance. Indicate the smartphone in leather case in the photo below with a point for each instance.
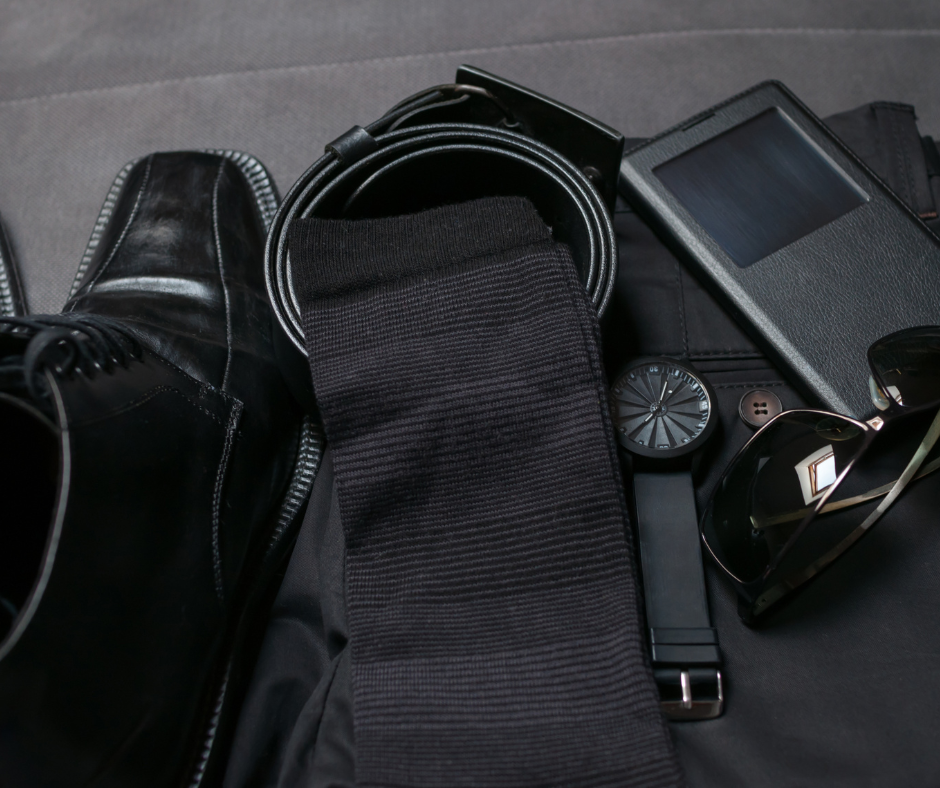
(804, 245)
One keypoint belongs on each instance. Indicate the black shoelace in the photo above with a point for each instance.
(64, 345)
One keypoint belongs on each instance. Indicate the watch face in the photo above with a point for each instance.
(660, 408)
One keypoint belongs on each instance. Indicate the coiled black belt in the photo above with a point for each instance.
(483, 136)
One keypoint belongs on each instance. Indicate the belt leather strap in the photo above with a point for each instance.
(491, 598)
(480, 137)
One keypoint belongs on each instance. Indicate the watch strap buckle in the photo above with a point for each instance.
(686, 667)
(690, 693)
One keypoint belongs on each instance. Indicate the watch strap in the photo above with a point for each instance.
(684, 645)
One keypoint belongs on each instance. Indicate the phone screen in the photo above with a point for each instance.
(759, 186)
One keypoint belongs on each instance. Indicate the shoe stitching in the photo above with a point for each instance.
(230, 434)
(146, 398)
(204, 387)
(218, 249)
(482, 50)
(213, 729)
(8, 296)
(124, 232)
(155, 356)
(104, 215)
(306, 465)
(266, 199)
(259, 179)
(7, 307)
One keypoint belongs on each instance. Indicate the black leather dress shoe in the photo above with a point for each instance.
(153, 465)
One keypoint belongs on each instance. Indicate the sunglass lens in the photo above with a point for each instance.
(772, 485)
(906, 366)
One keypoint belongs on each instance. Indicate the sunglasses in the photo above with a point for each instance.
(775, 519)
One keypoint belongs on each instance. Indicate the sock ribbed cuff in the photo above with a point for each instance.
(334, 256)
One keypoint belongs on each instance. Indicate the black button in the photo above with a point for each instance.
(759, 406)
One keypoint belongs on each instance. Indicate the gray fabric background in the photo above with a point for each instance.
(86, 85)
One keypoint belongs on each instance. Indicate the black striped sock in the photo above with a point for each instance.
(491, 592)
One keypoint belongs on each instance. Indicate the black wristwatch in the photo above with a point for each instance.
(663, 413)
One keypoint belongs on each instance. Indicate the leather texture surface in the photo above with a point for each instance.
(181, 471)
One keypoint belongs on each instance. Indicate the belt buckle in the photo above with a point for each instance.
(690, 693)
(594, 147)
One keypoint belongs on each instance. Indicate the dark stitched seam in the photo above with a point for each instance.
(909, 172)
(213, 728)
(761, 384)
(7, 308)
(97, 232)
(259, 179)
(230, 434)
(124, 232)
(306, 465)
(682, 325)
(729, 353)
(218, 249)
(536, 45)
(170, 365)
(140, 401)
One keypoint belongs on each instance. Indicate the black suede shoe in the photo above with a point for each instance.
(153, 466)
